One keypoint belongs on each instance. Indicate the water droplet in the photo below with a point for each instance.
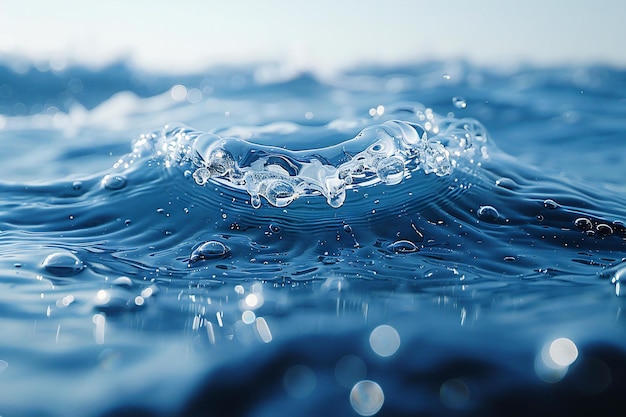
(274, 228)
(403, 246)
(113, 182)
(347, 228)
(255, 200)
(63, 264)
(77, 185)
(209, 250)
(446, 76)
(507, 183)
(583, 223)
(488, 214)
(459, 102)
(551, 204)
(123, 282)
(336, 200)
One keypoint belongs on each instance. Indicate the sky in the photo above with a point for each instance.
(187, 36)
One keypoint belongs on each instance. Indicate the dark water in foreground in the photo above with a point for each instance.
(427, 240)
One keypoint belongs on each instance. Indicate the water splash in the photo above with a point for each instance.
(381, 153)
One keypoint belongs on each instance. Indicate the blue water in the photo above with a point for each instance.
(434, 239)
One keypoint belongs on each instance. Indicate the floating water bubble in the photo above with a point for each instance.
(113, 182)
(459, 102)
(77, 185)
(63, 264)
(122, 282)
(507, 183)
(384, 340)
(583, 223)
(488, 214)
(604, 229)
(367, 398)
(551, 204)
(212, 249)
(403, 246)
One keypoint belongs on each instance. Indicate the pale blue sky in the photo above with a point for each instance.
(324, 34)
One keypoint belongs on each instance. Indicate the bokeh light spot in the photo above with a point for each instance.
(454, 394)
(384, 340)
(367, 398)
(299, 381)
(178, 92)
(563, 351)
(248, 317)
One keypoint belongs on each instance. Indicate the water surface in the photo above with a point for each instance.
(436, 239)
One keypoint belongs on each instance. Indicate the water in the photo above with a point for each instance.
(436, 239)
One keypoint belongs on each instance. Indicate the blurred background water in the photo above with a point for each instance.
(471, 265)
